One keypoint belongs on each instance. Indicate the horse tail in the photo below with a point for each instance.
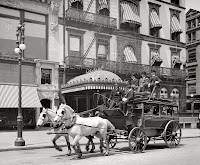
(110, 126)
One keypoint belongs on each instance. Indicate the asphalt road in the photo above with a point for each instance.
(155, 154)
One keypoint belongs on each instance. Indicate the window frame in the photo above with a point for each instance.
(176, 13)
(154, 47)
(79, 33)
(103, 40)
(49, 80)
(97, 8)
(174, 51)
(126, 26)
(153, 6)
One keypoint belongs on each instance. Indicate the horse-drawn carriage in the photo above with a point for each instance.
(145, 119)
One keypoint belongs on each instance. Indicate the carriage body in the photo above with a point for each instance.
(152, 118)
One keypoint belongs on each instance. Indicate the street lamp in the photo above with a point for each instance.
(192, 106)
(20, 50)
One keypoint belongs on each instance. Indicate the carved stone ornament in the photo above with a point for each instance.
(53, 15)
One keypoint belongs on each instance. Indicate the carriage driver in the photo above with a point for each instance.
(115, 96)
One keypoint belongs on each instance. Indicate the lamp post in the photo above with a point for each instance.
(192, 106)
(20, 50)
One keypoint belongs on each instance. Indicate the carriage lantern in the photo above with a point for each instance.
(20, 51)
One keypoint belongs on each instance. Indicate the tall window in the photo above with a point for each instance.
(129, 54)
(154, 21)
(77, 4)
(103, 7)
(129, 14)
(192, 55)
(192, 73)
(176, 29)
(155, 59)
(74, 44)
(175, 58)
(46, 76)
(103, 46)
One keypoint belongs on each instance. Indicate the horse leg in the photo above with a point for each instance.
(90, 141)
(68, 145)
(101, 145)
(74, 143)
(107, 145)
(54, 142)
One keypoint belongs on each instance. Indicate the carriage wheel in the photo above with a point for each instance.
(112, 141)
(172, 134)
(137, 140)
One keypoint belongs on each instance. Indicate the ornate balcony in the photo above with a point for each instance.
(90, 18)
(122, 67)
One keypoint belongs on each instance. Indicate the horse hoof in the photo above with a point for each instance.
(91, 151)
(58, 148)
(79, 156)
(69, 153)
(106, 154)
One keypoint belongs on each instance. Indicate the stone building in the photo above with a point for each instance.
(67, 38)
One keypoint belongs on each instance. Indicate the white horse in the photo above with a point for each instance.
(78, 127)
(49, 115)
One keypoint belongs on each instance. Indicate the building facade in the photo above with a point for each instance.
(193, 46)
(67, 38)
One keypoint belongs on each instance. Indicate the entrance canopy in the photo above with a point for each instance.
(9, 97)
(98, 79)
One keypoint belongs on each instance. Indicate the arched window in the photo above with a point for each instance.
(175, 93)
(163, 93)
(129, 54)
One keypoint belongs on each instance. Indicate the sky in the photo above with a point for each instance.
(194, 4)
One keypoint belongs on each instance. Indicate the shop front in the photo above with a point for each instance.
(9, 106)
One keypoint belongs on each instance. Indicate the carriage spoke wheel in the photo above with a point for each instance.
(172, 134)
(137, 140)
(112, 141)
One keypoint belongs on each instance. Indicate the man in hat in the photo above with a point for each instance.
(134, 82)
(128, 98)
(143, 82)
(115, 96)
(153, 81)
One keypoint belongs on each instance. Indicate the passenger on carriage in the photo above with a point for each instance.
(115, 96)
(153, 81)
(134, 82)
(127, 99)
(143, 82)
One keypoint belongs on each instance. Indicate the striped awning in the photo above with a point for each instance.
(103, 4)
(129, 54)
(9, 95)
(175, 25)
(155, 57)
(129, 13)
(154, 20)
(72, 1)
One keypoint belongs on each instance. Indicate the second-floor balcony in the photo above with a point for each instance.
(122, 67)
(90, 18)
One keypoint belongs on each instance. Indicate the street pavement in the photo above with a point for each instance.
(38, 138)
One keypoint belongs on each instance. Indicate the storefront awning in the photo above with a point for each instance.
(154, 20)
(129, 54)
(175, 25)
(9, 95)
(129, 13)
(103, 4)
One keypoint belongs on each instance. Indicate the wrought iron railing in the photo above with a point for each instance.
(87, 17)
(122, 67)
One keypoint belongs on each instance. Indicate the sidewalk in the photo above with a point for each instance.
(38, 138)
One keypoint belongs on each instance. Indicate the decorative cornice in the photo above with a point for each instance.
(32, 6)
(154, 46)
(163, 41)
(175, 49)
